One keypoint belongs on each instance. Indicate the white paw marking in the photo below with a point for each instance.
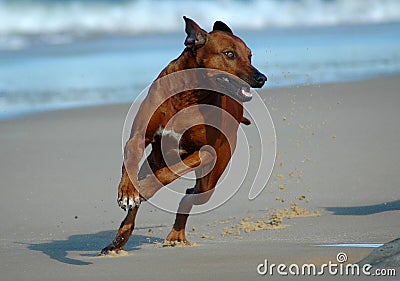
(128, 203)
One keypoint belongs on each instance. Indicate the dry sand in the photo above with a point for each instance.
(338, 154)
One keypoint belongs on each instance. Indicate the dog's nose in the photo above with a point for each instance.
(260, 79)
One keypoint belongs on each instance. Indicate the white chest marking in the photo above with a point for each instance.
(171, 134)
(168, 133)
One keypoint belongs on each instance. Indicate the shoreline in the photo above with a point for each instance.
(28, 114)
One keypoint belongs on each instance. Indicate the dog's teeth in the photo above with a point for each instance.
(246, 93)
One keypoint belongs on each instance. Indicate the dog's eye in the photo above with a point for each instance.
(230, 54)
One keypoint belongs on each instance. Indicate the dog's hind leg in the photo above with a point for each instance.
(151, 183)
(177, 233)
(199, 195)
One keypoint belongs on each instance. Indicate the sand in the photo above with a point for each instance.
(338, 157)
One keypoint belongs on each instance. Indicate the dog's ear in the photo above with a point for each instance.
(219, 25)
(196, 37)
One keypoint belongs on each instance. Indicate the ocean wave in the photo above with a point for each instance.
(56, 22)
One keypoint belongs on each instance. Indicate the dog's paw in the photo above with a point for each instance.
(128, 203)
(115, 247)
(110, 250)
(128, 197)
(177, 237)
(175, 244)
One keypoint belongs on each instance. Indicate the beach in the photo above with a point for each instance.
(338, 153)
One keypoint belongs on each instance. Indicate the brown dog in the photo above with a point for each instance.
(202, 148)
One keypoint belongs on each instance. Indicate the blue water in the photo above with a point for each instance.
(60, 21)
(60, 62)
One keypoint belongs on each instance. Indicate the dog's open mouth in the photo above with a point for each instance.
(234, 88)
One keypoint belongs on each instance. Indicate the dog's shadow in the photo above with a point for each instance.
(89, 244)
(365, 210)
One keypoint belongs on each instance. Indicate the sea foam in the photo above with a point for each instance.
(24, 22)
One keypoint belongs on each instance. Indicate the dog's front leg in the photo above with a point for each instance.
(124, 232)
(128, 190)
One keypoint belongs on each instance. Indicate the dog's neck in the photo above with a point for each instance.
(187, 60)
